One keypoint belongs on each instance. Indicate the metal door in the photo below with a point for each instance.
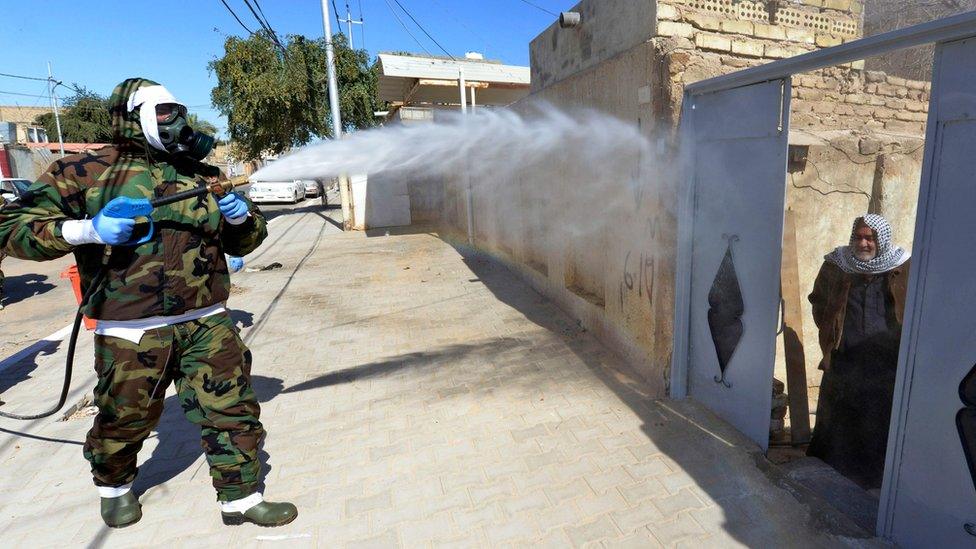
(740, 142)
(929, 495)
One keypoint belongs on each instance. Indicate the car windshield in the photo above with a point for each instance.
(21, 185)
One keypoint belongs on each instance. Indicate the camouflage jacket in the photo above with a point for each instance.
(182, 267)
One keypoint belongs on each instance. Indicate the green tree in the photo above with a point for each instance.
(200, 124)
(84, 119)
(275, 101)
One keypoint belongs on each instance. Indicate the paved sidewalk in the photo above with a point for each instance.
(415, 397)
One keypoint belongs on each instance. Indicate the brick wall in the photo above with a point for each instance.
(700, 39)
(866, 100)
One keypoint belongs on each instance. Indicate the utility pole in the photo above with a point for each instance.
(54, 106)
(464, 94)
(345, 192)
(468, 206)
(331, 72)
(349, 21)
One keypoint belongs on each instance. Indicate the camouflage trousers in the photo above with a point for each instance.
(211, 368)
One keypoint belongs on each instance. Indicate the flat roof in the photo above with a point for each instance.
(417, 79)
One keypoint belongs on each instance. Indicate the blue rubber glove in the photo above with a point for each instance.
(234, 263)
(233, 207)
(114, 231)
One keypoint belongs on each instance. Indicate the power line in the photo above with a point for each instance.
(224, 2)
(71, 87)
(23, 77)
(21, 94)
(263, 16)
(393, 11)
(335, 12)
(49, 79)
(412, 18)
(264, 25)
(538, 7)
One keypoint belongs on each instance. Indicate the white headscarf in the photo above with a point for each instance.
(147, 98)
(887, 258)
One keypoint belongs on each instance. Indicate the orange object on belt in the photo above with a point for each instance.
(72, 274)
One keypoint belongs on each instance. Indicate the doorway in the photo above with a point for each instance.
(928, 491)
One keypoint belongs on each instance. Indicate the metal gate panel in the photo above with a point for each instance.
(929, 496)
(740, 140)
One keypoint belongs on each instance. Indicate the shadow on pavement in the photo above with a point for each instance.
(20, 287)
(18, 367)
(242, 319)
(720, 461)
(300, 208)
(412, 361)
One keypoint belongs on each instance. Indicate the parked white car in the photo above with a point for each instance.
(313, 188)
(276, 191)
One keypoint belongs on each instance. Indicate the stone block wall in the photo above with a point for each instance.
(871, 101)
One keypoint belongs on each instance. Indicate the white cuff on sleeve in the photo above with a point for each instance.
(81, 231)
(238, 220)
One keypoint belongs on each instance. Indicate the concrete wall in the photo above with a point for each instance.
(380, 200)
(600, 244)
(28, 163)
(608, 28)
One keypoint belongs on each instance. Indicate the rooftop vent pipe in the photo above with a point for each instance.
(569, 19)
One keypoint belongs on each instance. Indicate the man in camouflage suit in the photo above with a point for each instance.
(160, 310)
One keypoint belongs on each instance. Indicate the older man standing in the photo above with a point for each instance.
(858, 305)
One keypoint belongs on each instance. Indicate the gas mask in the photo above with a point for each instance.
(164, 124)
(177, 136)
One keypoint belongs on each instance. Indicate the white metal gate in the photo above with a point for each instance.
(930, 493)
(740, 141)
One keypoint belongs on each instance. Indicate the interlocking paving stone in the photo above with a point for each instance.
(683, 526)
(599, 529)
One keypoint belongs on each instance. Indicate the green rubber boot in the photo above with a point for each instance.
(121, 511)
(263, 514)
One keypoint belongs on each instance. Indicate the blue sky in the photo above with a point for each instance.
(98, 43)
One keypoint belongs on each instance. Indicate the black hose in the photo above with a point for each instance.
(162, 201)
(70, 360)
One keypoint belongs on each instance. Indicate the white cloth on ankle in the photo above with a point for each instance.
(114, 491)
(241, 505)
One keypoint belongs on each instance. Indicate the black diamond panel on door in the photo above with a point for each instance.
(966, 424)
(725, 312)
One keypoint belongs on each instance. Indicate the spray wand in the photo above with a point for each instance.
(131, 208)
